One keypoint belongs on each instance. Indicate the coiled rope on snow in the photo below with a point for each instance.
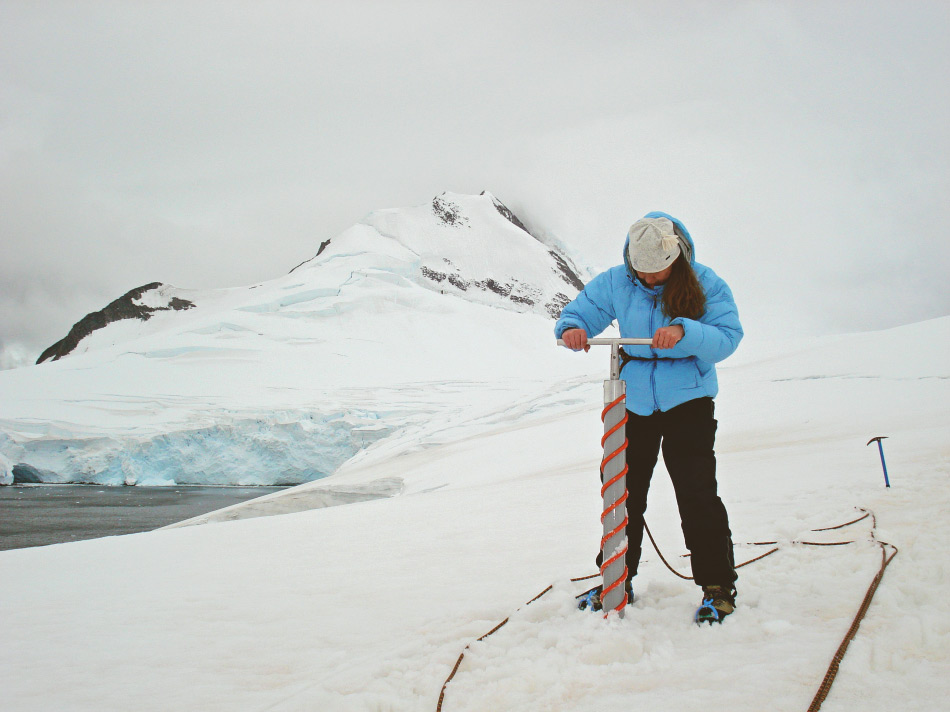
(825, 686)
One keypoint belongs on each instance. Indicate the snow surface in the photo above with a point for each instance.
(158, 298)
(474, 488)
(366, 606)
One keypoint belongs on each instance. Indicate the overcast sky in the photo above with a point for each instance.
(210, 144)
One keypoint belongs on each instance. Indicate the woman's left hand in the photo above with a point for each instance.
(666, 337)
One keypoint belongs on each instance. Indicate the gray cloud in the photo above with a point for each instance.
(214, 144)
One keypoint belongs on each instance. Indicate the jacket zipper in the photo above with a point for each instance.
(656, 405)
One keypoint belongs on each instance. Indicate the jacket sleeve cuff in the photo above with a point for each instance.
(692, 334)
(560, 328)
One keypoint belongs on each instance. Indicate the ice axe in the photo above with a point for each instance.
(880, 448)
(613, 470)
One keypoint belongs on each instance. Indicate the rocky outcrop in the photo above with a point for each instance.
(566, 270)
(539, 293)
(323, 245)
(515, 290)
(127, 306)
(507, 214)
(448, 212)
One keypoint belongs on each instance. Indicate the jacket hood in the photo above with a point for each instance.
(681, 232)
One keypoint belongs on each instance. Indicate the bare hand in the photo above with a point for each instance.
(575, 339)
(666, 337)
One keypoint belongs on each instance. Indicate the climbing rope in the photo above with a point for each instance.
(757, 543)
(832, 672)
(848, 524)
(690, 578)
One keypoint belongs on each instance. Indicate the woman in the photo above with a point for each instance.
(660, 291)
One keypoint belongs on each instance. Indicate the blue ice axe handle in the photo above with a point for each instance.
(880, 448)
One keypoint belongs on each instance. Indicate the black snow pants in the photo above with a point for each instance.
(688, 435)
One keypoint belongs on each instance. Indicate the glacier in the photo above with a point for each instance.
(284, 381)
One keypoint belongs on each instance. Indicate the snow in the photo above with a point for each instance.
(476, 489)
(6, 470)
(284, 381)
(366, 605)
(159, 298)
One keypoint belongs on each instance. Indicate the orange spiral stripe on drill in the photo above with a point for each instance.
(603, 414)
(623, 421)
(611, 456)
(615, 584)
(621, 551)
(606, 537)
(612, 507)
(616, 478)
(612, 404)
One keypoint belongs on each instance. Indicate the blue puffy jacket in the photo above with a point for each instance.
(671, 376)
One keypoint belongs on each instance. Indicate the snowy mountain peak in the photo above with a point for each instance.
(283, 381)
(464, 245)
(469, 247)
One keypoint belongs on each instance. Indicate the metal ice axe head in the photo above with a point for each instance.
(880, 448)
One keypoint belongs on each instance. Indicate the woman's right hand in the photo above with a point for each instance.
(575, 340)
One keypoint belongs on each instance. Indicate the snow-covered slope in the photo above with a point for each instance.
(366, 606)
(465, 451)
(283, 381)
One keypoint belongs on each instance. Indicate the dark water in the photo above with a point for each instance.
(36, 515)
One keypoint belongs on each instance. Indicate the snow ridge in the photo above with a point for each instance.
(140, 303)
(284, 381)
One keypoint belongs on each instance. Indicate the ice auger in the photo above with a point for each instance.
(613, 472)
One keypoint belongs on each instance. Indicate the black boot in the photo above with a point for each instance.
(718, 602)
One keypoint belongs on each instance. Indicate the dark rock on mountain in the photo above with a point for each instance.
(447, 208)
(515, 290)
(125, 307)
(556, 306)
(568, 272)
(448, 212)
(507, 214)
(323, 246)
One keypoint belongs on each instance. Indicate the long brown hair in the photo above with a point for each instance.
(683, 295)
